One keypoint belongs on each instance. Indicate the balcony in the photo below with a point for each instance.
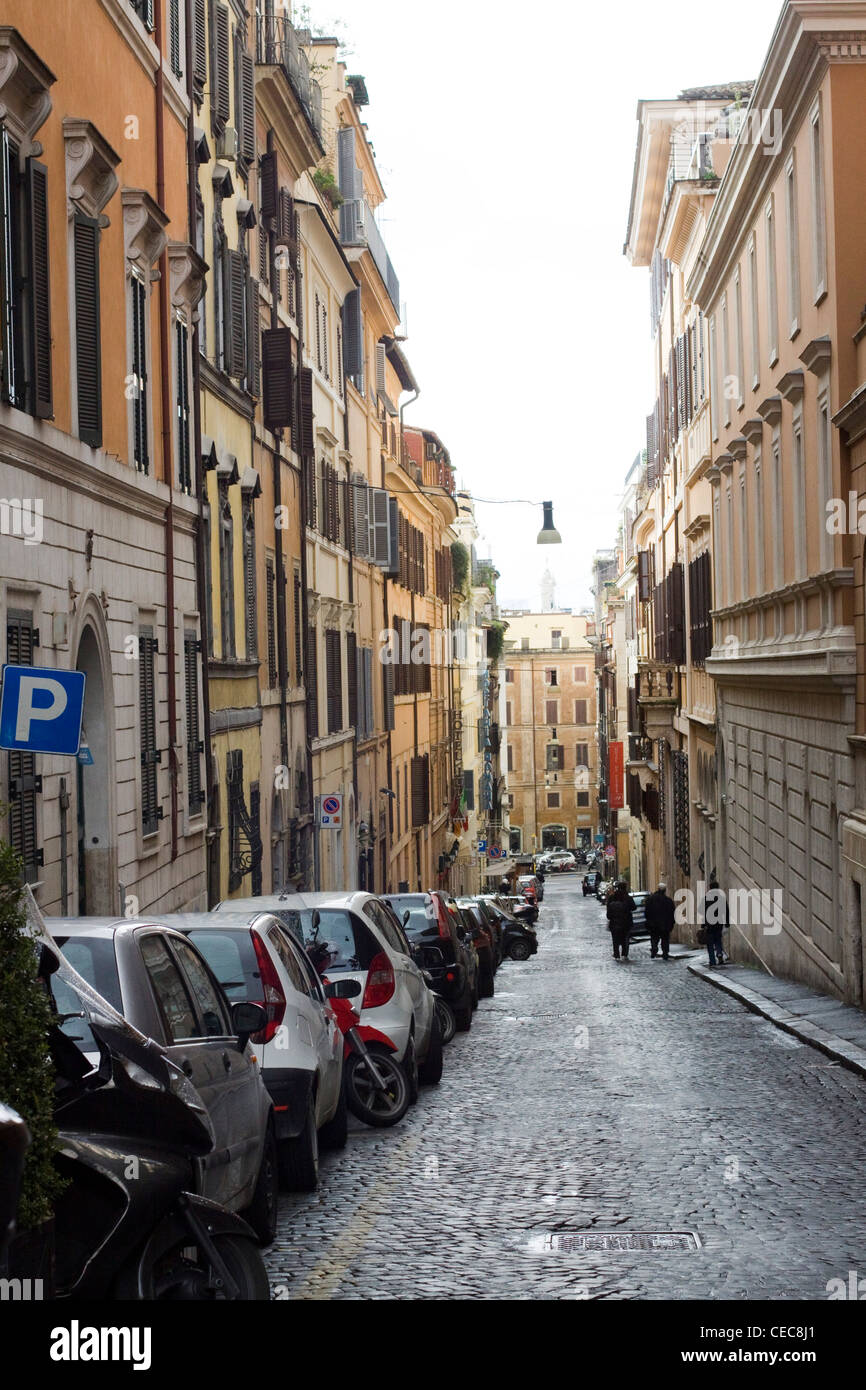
(640, 749)
(278, 45)
(358, 228)
(658, 694)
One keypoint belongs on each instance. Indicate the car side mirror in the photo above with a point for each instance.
(343, 989)
(247, 1018)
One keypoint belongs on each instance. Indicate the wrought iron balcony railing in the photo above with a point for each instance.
(278, 45)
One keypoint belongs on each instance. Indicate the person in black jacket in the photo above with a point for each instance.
(620, 915)
(715, 916)
(660, 912)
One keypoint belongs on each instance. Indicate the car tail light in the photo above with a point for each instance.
(274, 1001)
(380, 982)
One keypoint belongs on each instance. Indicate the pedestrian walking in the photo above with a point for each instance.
(620, 915)
(660, 912)
(715, 921)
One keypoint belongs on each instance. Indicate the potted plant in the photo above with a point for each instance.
(328, 186)
(27, 1078)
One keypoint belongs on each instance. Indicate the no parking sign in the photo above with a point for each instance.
(331, 817)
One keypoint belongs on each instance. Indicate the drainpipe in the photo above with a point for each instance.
(200, 559)
(165, 406)
(276, 452)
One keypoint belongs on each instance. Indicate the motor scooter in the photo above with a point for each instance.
(132, 1129)
(376, 1088)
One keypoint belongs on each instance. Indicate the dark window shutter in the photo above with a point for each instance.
(676, 616)
(270, 604)
(277, 378)
(248, 108)
(420, 784)
(199, 42)
(194, 746)
(469, 788)
(388, 694)
(138, 294)
(353, 344)
(250, 591)
(147, 730)
(268, 169)
(43, 407)
(174, 37)
(184, 448)
(352, 677)
(88, 357)
(346, 161)
(254, 360)
(236, 314)
(299, 655)
(287, 232)
(305, 386)
(312, 677)
(644, 581)
(24, 782)
(221, 63)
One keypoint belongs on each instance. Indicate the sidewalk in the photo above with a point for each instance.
(834, 1028)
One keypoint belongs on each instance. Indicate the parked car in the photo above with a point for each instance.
(163, 986)
(529, 886)
(521, 908)
(358, 934)
(519, 940)
(255, 958)
(484, 937)
(435, 927)
(561, 861)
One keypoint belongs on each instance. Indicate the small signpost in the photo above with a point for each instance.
(331, 817)
(41, 710)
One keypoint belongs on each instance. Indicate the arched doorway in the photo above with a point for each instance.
(97, 879)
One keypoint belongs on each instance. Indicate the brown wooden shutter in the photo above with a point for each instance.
(676, 615)
(644, 581)
(149, 754)
(24, 782)
(269, 194)
(199, 42)
(286, 224)
(270, 620)
(254, 360)
(276, 378)
(248, 108)
(194, 744)
(352, 678)
(220, 73)
(306, 439)
(43, 407)
(388, 694)
(88, 355)
(420, 789)
(312, 681)
(237, 310)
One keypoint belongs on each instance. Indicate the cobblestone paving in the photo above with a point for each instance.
(593, 1095)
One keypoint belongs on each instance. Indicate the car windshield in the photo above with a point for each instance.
(329, 935)
(422, 918)
(231, 956)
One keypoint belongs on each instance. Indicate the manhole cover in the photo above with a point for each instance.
(616, 1240)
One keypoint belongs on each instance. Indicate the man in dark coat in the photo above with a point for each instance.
(620, 914)
(660, 912)
(715, 916)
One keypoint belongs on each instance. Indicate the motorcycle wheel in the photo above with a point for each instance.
(374, 1107)
(184, 1274)
(447, 1019)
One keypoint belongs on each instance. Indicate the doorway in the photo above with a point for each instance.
(97, 889)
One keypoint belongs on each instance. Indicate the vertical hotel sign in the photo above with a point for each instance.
(616, 777)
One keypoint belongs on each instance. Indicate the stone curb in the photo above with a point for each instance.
(829, 1043)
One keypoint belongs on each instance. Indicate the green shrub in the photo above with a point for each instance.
(26, 1071)
(459, 566)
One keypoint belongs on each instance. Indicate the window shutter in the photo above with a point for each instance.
(88, 359)
(353, 347)
(174, 36)
(299, 655)
(420, 784)
(643, 576)
(380, 368)
(24, 782)
(312, 675)
(369, 711)
(184, 447)
(360, 516)
(270, 192)
(352, 677)
(248, 109)
(150, 809)
(286, 220)
(254, 361)
(676, 615)
(276, 382)
(37, 174)
(306, 442)
(334, 679)
(194, 746)
(388, 694)
(346, 161)
(250, 590)
(199, 42)
(236, 315)
(220, 73)
(270, 619)
(138, 295)
(378, 548)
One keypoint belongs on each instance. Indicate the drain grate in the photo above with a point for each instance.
(616, 1240)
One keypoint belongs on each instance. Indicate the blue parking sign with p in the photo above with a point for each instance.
(41, 709)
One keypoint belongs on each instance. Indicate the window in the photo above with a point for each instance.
(759, 523)
(556, 639)
(250, 588)
(583, 798)
(24, 282)
(214, 1014)
(793, 246)
(551, 709)
(227, 574)
(798, 482)
(352, 678)
(510, 757)
(173, 998)
(137, 383)
(581, 755)
(772, 285)
(271, 620)
(726, 362)
(297, 601)
(819, 233)
(88, 349)
(184, 449)
(151, 811)
(753, 306)
(175, 36)
(714, 384)
(334, 679)
(194, 745)
(551, 676)
(524, 644)
(509, 675)
(515, 837)
(555, 757)
(312, 676)
(741, 368)
(580, 675)
(553, 801)
(24, 782)
(421, 789)
(580, 712)
(700, 603)
(469, 788)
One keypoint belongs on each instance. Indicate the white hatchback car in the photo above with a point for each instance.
(358, 935)
(300, 1051)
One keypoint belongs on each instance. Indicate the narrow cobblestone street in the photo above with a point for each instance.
(591, 1094)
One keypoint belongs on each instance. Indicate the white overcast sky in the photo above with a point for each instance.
(505, 137)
